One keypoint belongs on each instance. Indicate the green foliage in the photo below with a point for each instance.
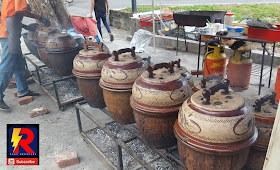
(267, 12)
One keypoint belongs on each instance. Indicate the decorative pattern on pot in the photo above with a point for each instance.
(41, 36)
(265, 112)
(156, 98)
(220, 130)
(117, 77)
(122, 69)
(87, 68)
(89, 62)
(61, 49)
(207, 82)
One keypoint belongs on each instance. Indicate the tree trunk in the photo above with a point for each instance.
(52, 9)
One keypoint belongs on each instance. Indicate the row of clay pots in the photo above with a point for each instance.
(56, 50)
(219, 131)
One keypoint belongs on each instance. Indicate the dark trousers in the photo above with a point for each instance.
(99, 17)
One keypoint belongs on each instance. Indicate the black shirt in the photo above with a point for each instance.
(100, 6)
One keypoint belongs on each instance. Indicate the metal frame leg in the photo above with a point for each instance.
(198, 57)
(120, 158)
(177, 40)
(38, 74)
(185, 40)
(79, 120)
(56, 94)
(260, 84)
(271, 65)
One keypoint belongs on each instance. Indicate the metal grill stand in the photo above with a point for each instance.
(123, 147)
(46, 80)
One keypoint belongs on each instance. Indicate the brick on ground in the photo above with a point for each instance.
(38, 112)
(25, 100)
(15, 94)
(12, 86)
(67, 159)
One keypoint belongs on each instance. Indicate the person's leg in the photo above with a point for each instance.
(7, 67)
(20, 76)
(98, 17)
(104, 20)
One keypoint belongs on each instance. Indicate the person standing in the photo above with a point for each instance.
(101, 10)
(12, 13)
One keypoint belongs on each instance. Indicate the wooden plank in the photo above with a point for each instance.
(272, 156)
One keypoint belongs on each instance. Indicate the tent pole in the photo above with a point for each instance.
(154, 37)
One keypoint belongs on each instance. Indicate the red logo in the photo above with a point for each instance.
(18, 141)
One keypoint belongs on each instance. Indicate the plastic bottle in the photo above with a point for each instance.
(228, 20)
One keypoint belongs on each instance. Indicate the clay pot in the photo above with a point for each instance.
(117, 77)
(87, 67)
(30, 43)
(41, 36)
(156, 98)
(264, 113)
(184, 72)
(215, 133)
(61, 49)
(207, 82)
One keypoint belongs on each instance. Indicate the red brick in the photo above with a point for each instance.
(15, 94)
(38, 112)
(67, 159)
(25, 100)
(12, 85)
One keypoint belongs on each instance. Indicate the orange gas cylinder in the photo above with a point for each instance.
(215, 61)
(277, 85)
(239, 69)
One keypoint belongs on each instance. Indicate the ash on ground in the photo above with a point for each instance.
(109, 148)
(67, 89)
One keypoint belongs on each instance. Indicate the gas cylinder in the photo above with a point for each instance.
(215, 61)
(239, 69)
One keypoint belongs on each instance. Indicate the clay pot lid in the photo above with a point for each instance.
(266, 107)
(89, 62)
(160, 89)
(122, 69)
(208, 82)
(160, 74)
(42, 33)
(60, 42)
(123, 59)
(219, 101)
(92, 49)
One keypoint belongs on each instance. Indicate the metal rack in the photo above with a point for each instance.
(122, 144)
(52, 81)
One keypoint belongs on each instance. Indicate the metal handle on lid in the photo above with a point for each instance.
(178, 63)
(204, 80)
(261, 101)
(169, 66)
(212, 90)
(99, 45)
(148, 60)
(125, 50)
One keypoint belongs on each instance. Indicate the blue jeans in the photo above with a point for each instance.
(102, 16)
(12, 64)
